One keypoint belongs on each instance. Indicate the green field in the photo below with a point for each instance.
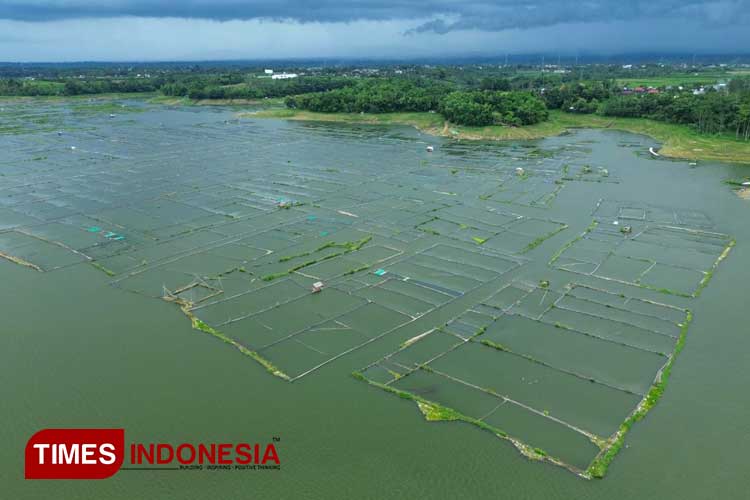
(689, 79)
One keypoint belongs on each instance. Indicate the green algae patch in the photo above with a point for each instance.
(541, 239)
(346, 246)
(601, 463)
(103, 269)
(198, 324)
(710, 273)
(436, 412)
(20, 261)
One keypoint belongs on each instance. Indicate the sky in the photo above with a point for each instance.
(159, 30)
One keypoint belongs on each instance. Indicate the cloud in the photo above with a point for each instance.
(443, 15)
(159, 39)
(508, 14)
(220, 10)
(54, 30)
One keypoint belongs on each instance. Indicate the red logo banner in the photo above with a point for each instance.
(75, 453)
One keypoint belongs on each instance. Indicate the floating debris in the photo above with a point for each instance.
(626, 229)
(653, 152)
(94, 229)
(520, 171)
(348, 214)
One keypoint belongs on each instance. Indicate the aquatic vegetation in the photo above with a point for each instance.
(541, 239)
(436, 412)
(598, 467)
(106, 271)
(347, 246)
(201, 325)
(20, 261)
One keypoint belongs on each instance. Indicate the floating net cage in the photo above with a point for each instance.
(297, 258)
(609, 211)
(634, 244)
(491, 227)
(370, 291)
(588, 173)
(561, 374)
(124, 197)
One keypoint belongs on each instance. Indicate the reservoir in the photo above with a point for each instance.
(489, 315)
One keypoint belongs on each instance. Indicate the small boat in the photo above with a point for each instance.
(430, 149)
(746, 184)
(653, 152)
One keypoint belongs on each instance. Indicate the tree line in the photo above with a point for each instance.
(711, 112)
(71, 87)
(203, 87)
(474, 108)
(506, 99)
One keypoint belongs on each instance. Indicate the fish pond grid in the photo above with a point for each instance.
(443, 257)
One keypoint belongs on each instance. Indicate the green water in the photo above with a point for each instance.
(78, 352)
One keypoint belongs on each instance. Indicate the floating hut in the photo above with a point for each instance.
(317, 286)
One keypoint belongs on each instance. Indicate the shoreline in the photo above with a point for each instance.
(677, 141)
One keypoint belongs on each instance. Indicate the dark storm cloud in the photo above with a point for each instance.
(447, 15)
(501, 15)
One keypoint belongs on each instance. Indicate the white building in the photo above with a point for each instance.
(268, 71)
(283, 76)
